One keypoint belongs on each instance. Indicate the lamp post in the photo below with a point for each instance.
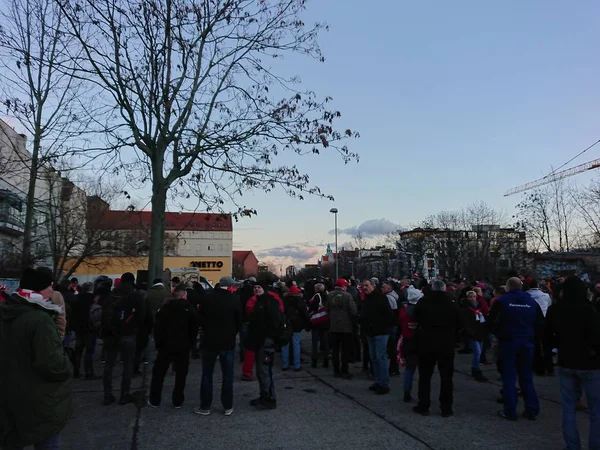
(352, 267)
(337, 266)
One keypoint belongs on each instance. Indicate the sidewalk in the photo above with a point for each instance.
(315, 410)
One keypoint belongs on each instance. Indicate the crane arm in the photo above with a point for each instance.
(554, 177)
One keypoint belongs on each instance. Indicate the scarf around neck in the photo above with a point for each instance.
(38, 299)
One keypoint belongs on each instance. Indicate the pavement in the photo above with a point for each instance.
(314, 410)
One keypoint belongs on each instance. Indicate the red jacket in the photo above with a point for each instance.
(408, 325)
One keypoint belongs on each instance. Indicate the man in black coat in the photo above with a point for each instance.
(221, 320)
(377, 319)
(175, 330)
(123, 316)
(438, 317)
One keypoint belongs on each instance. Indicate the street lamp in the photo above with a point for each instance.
(337, 266)
(352, 267)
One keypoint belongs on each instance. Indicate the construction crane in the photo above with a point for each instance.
(554, 176)
(558, 174)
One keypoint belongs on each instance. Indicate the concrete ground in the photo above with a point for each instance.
(314, 410)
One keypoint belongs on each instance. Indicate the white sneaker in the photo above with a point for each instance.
(229, 412)
(202, 412)
(151, 405)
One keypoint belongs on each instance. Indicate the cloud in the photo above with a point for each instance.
(295, 252)
(369, 228)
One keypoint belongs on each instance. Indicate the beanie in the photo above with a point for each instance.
(36, 279)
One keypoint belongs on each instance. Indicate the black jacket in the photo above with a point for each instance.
(573, 327)
(175, 326)
(221, 320)
(80, 312)
(376, 315)
(296, 312)
(439, 318)
(264, 321)
(245, 294)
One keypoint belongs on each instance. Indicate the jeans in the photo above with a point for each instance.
(572, 382)
(209, 358)
(409, 374)
(445, 363)
(181, 364)
(517, 360)
(285, 352)
(378, 352)
(264, 369)
(322, 337)
(477, 347)
(85, 341)
(243, 335)
(125, 345)
(343, 342)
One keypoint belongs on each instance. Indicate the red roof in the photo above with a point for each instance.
(239, 256)
(174, 221)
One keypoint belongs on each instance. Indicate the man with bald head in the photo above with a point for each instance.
(516, 318)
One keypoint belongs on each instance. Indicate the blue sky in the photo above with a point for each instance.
(455, 102)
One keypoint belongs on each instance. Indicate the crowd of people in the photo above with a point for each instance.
(392, 326)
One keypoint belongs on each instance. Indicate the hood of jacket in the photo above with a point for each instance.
(413, 295)
(16, 305)
(394, 295)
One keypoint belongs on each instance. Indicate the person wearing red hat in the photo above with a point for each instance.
(297, 314)
(342, 312)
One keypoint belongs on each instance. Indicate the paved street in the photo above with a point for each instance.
(314, 410)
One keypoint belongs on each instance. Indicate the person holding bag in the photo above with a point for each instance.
(319, 318)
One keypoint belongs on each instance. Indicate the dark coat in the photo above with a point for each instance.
(573, 327)
(296, 312)
(175, 326)
(376, 315)
(476, 330)
(80, 312)
(264, 320)
(439, 318)
(35, 373)
(221, 320)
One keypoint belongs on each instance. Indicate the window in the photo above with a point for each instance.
(220, 247)
(209, 249)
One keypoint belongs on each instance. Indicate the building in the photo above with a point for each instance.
(245, 264)
(191, 240)
(485, 251)
(15, 166)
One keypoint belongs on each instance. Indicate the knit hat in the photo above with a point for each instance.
(341, 283)
(226, 282)
(36, 280)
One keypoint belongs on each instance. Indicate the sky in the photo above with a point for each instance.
(455, 103)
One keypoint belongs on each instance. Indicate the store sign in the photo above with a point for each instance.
(210, 266)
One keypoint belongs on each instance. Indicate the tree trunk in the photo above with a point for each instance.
(29, 206)
(157, 227)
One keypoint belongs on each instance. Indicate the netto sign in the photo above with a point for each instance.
(210, 266)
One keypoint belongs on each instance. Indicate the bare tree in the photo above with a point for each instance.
(38, 89)
(68, 231)
(195, 94)
(548, 217)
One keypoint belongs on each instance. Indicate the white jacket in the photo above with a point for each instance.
(541, 298)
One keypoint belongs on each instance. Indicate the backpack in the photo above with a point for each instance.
(95, 316)
(116, 313)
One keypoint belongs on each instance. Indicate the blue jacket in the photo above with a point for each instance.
(516, 316)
